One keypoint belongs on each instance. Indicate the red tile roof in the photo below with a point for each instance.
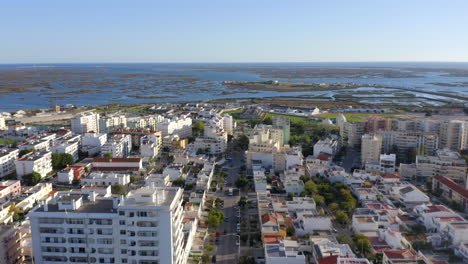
(436, 208)
(328, 260)
(323, 156)
(269, 218)
(115, 169)
(391, 176)
(452, 185)
(399, 254)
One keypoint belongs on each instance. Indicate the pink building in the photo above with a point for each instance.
(9, 189)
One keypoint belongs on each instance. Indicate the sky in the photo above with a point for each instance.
(84, 31)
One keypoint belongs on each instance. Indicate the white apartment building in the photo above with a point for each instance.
(119, 146)
(145, 228)
(107, 123)
(228, 124)
(265, 138)
(406, 140)
(371, 146)
(445, 163)
(103, 179)
(85, 122)
(351, 132)
(328, 145)
(2, 124)
(7, 161)
(387, 163)
(37, 161)
(150, 145)
(37, 144)
(93, 142)
(30, 197)
(68, 147)
(284, 123)
(214, 140)
(182, 126)
(144, 122)
(453, 134)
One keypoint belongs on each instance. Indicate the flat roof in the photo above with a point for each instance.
(104, 206)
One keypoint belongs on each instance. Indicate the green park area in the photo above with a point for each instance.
(351, 117)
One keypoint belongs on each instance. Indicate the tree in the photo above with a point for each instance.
(75, 182)
(67, 159)
(319, 199)
(333, 206)
(210, 247)
(242, 201)
(241, 143)
(290, 231)
(198, 128)
(118, 189)
(25, 151)
(310, 187)
(362, 242)
(345, 239)
(246, 260)
(205, 258)
(32, 178)
(242, 182)
(267, 121)
(180, 182)
(215, 217)
(108, 155)
(133, 179)
(56, 161)
(342, 217)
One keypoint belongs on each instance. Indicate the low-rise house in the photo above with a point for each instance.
(105, 179)
(394, 238)
(30, 197)
(284, 251)
(457, 232)
(9, 189)
(434, 217)
(174, 171)
(409, 195)
(158, 180)
(451, 191)
(293, 186)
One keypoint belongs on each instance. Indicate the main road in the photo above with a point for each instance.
(227, 248)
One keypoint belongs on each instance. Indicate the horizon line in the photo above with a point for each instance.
(239, 62)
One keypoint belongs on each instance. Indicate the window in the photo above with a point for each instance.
(122, 222)
(123, 232)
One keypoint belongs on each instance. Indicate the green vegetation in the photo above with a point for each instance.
(215, 217)
(198, 128)
(25, 151)
(354, 117)
(133, 179)
(32, 178)
(345, 239)
(180, 182)
(108, 155)
(118, 189)
(61, 160)
(290, 231)
(8, 142)
(242, 182)
(294, 119)
(342, 217)
(362, 242)
(241, 143)
(242, 201)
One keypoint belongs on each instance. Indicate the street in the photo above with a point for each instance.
(227, 249)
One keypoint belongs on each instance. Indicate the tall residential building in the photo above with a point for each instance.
(181, 126)
(150, 145)
(10, 245)
(387, 163)
(376, 123)
(85, 122)
(401, 142)
(2, 124)
(228, 124)
(144, 122)
(284, 123)
(145, 227)
(38, 161)
(371, 146)
(265, 138)
(327, 145)
(110, 122)
(445, 163)
(7, 161)
(119, 146)
(453, 135)
(351, 133)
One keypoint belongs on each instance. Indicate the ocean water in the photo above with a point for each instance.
(94, 84)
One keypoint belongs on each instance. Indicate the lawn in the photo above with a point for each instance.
(294, 119)
(7, 141)
(353, 116)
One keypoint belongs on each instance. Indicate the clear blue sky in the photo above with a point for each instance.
(48, 31)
